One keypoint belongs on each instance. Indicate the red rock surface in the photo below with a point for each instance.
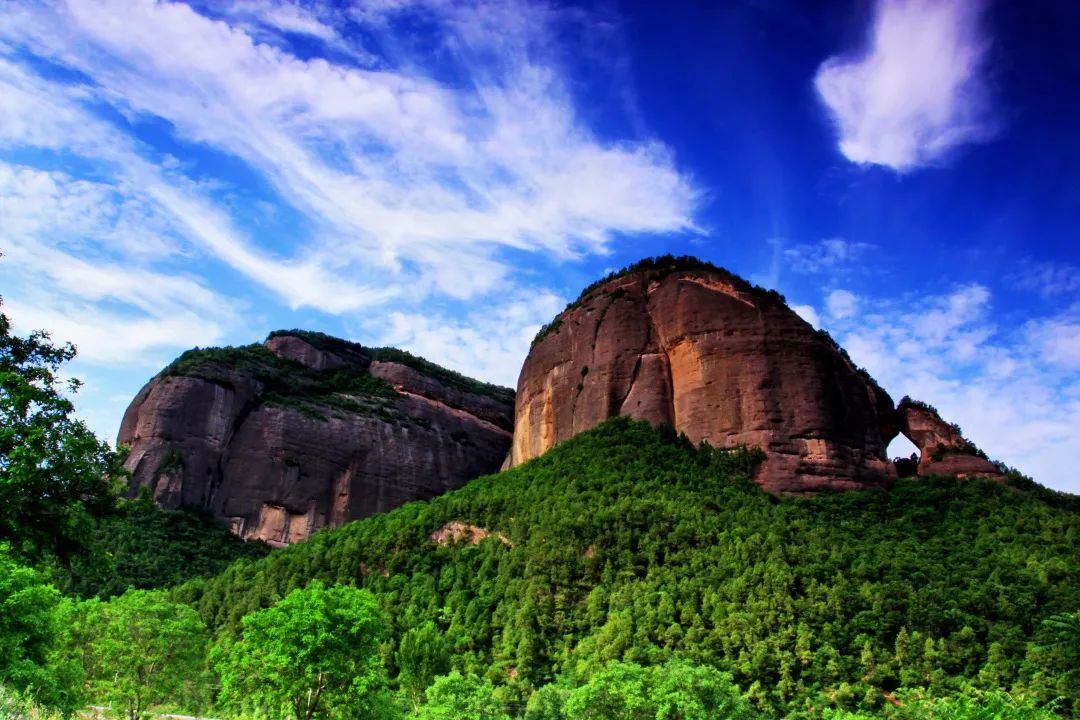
(278, 473)
(721, 362)
(935, 438)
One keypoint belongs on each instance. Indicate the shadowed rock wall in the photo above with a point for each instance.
(277, 467)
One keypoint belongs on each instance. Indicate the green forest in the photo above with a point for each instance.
(624, 574)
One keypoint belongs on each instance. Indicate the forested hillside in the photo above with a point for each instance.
(628, 544)
(144, 546)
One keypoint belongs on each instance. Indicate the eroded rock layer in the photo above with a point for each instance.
(306, 431)
(721, 361)
(943, 450)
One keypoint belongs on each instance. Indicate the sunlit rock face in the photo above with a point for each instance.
(721, 361)
(275, 464)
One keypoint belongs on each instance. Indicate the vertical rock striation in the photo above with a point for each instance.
(306, 431)
(683, 343)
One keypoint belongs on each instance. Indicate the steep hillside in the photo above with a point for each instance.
(304, 431)
(625, 542)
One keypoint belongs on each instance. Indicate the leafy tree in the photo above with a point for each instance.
(676, 690)
(146, 547)
(313, 655)
(971, 705)
(422, 656)
(55, 475)
(627, 544)
(141, 650)
(461, 697)
(1056, 655)
(30, 631)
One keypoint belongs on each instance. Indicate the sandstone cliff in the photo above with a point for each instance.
(943, 450)
(307, 431)
(681, 342)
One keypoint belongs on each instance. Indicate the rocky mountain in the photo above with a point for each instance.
(306, 431)
(680, 342)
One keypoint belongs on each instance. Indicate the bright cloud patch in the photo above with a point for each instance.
(841, 304)
(400, 179)
(916, 92)
(177, 174)
(489, 343)
(835, 255)
(1015, 391)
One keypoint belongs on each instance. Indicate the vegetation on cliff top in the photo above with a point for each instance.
(447, 377)
(628, 544)
(290, 383)
(657, 268)
(350, 388)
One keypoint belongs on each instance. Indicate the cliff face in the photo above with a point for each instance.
(719, 360)
(305, 431)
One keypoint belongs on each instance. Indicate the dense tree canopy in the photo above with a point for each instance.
(55, 475)
(144, 546)
(313, 655)
(626, 544)
(140, 650)
(31, 628)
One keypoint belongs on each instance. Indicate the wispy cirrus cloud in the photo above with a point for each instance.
(404, 167)
(834, 255)
(1047, 279)
(409, 170)
(917, 90)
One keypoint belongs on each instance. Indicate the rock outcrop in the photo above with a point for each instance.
(306, 431)
(680, 342)
(943, 449)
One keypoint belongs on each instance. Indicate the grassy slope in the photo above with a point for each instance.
(627, 543)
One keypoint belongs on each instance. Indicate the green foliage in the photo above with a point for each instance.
(422, 656)
(315, 654)
(327, 343)
(444, 376)
(628, 544)
(907, 401)
(350, 388)
(1056, 656)
(17, 706)
(140, 650)
(55, 475)
(657, 268)
(458, 697)
(31, 624)
(993, 705)
(146, 547)
(676, 690)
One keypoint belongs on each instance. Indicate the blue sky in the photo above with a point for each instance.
(445, 176)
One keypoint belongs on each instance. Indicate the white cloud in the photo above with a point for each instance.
(831, 254)
(1058, 339)
(1048, 279)
(807, 313)
(1014, 390)
(491, 343)
(841, 304)
(111, 306)
(917, 91)
(400, 175)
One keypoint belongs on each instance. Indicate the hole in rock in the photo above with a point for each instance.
(904, 455)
